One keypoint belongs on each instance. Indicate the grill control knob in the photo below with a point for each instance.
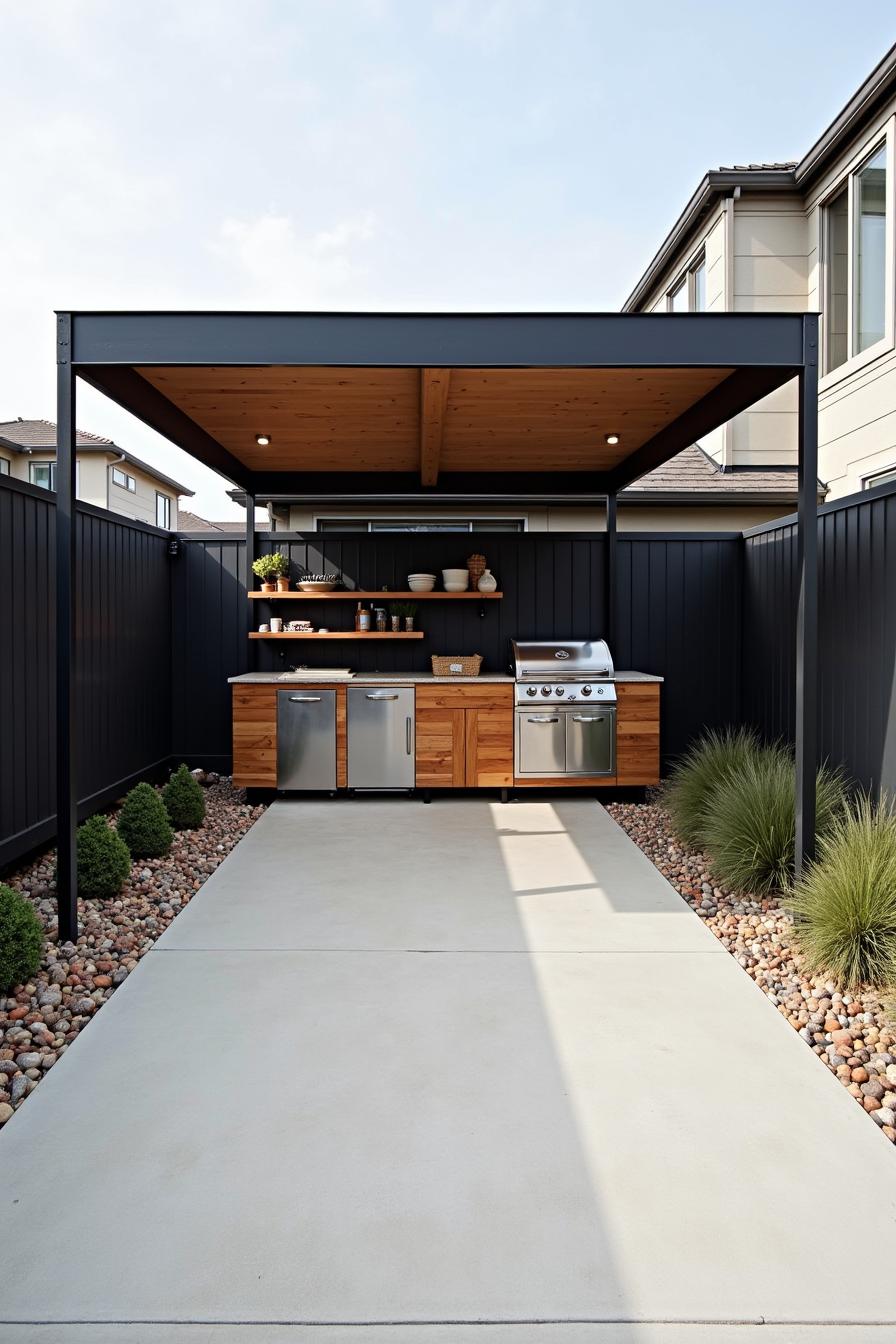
(545, 690)
(559, 691)
(586, 690)
(530, 690)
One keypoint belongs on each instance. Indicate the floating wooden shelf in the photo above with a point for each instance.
(343, 594)
(339, 634)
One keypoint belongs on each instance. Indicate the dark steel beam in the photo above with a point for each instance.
(148, 404)
(384, 486)
(66, 562)
(610, 574)
(251, 646)
(738, 391)
(545, 340)
(807, 612)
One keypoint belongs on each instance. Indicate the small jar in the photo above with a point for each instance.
(396, 625)
(276, 625)
(381, 620)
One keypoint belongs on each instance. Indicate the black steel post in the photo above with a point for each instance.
(252, 654)
(66, 557)
(807, 614)
(610, 575)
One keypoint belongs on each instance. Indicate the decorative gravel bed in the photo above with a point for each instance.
(851, 1034)
(39, 1022)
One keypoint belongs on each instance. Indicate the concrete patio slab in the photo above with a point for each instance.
(459, 875)
(353, 1144)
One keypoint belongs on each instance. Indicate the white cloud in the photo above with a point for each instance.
(276, 265)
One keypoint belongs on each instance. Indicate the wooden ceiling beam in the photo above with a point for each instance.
(434, 385)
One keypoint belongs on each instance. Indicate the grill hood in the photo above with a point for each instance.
(562, 660)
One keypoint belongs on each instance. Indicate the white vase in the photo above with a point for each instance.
(488, 583)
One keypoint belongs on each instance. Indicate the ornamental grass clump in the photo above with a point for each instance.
(750, 829)
(104, 860)
(845, 907)
(697, 776)
(143, 823)
(21, 939)
(183, 800)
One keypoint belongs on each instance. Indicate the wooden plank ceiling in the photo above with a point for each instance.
(432, 420)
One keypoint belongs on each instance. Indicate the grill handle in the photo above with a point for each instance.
(305, 699)
(544, 718)
(382, 695)
(589, 718)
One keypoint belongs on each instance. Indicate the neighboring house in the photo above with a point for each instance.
(813, 235)
(689, 494)
(191, 522)
(107, 476)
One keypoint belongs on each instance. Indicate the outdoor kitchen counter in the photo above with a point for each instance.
(465, 728)
(397, 678)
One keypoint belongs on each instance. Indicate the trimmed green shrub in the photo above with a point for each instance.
(21, 939)
(689, 794)
(750, 827)
(845, 906)
(143, 823)
(184, 800)
(103, 859)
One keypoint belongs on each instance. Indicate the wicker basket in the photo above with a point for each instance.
(464, 665)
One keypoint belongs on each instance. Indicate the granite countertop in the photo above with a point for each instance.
(396, 678)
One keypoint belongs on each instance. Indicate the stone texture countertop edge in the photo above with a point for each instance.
(399, 678)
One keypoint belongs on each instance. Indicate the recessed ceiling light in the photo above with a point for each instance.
(612, 438)
(262, 440)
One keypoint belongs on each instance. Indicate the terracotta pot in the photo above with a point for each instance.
(283, 584)
(267, 588)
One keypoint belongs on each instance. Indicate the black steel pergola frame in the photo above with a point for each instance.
(106, 349)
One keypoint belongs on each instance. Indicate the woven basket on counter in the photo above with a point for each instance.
(465, 665)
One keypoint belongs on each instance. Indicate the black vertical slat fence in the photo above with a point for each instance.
(857, 634)
(123, 626)
(158, 636)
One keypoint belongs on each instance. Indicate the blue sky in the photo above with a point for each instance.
(482, 154)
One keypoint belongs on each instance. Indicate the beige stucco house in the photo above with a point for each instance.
(816, 235)
(107, 476)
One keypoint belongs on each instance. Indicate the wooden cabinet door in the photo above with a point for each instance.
(489, 748)
(255, 737)
(440, 748)
(638, 732)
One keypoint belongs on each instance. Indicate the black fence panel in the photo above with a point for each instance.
(679, 616)
(123, 669)
(857, 634)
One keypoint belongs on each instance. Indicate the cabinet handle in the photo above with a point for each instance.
(305, 699)
(382, 695)
(544, 718)
(408, 733)
(589, 718)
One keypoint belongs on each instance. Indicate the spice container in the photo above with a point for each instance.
(381, 619)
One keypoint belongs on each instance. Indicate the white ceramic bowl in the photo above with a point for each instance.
(422, 576)
(421, 583)
(455, 580)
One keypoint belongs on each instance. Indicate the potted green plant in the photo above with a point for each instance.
(263, 569)
(280, 571)
(405, 611)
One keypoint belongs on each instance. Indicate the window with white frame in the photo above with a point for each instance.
(688, 294)
(163, 510)
(4, 466)
(42, 474)
(884, 477)
(855, 244)
(124, 480)
(419, 525)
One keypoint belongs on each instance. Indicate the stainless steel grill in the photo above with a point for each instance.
(565, 717)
